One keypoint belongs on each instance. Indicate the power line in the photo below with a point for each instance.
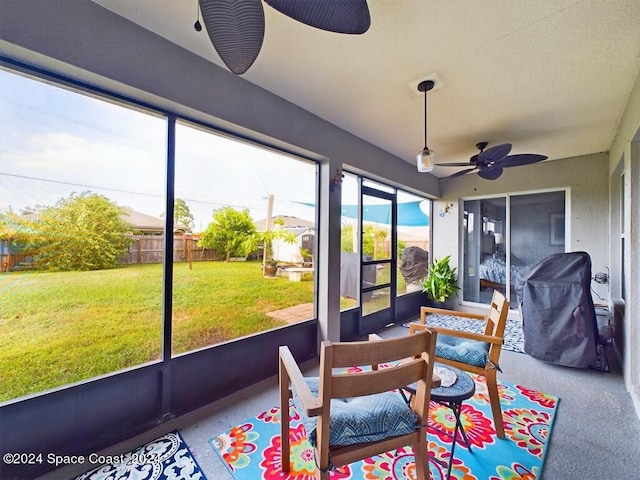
(118, 190)
(83, 185)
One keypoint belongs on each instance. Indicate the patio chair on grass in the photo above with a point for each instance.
(352, 415)
(473, 352)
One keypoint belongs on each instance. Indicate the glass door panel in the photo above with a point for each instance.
(378, 241)
(494, 250)
(537, 229)
(413, 242)
(484, 263)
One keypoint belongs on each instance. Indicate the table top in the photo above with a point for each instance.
(463, 388)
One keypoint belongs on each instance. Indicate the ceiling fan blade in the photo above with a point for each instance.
(461, 172)
(494, 154)
(236, 29)
(521, 159)
(490, 173)
(454, 164)
(339, 16)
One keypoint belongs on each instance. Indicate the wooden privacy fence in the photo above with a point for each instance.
(150, 249)
(142, 249)
(11, 262)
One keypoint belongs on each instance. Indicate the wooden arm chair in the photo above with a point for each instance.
(352, 416)
(473, 352)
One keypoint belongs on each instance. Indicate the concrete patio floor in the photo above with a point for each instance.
(596, 433)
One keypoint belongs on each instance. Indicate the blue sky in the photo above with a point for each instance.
(54, 142)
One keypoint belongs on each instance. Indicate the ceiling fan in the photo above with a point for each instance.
(236, 27)
(489, 163)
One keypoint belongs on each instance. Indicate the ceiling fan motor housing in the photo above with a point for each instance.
(489, 164)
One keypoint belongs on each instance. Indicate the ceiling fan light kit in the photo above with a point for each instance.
(425, 159)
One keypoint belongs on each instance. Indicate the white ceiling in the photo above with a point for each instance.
(549, 76)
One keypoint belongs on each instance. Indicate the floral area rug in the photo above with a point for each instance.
(251, 450)
(513, 337)
(165, 458)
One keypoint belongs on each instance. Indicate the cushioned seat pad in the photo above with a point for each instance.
(361, 419)
(462, 350)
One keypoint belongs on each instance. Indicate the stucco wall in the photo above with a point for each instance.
(585, 179)
(625, 158)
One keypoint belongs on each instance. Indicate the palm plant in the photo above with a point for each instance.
(441, 281)
(252, 242)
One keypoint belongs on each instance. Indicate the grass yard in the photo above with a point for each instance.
(59, 328)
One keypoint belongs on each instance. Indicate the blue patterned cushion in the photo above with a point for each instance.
(361, 419)
(462, 350)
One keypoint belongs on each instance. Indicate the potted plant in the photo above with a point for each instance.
(307, 257)
(270, 268)
(251, 243)
(440, 282)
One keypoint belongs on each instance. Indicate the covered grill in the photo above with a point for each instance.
(559, 319)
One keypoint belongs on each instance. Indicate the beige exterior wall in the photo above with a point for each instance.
(625, 158)
(585, 181)
(593, 186)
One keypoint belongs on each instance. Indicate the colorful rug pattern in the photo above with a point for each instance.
(513, 336)
(252, 450)
(165, 458)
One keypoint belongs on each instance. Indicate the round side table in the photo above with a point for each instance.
(452, 397)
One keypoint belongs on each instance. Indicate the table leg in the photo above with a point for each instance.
(456, 408)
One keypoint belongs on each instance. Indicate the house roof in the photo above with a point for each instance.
(138, 220)
(143, 222)
(286, 221)
(147, 223)
(551, 76)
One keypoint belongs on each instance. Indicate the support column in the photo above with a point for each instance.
(328, 264)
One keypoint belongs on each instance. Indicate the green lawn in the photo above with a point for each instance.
(58, 328)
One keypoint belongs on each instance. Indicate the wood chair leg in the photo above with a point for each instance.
(494, 398)
(284, 420)
(322, 449)
(422, 458)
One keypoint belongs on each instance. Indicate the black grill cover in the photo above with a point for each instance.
(559, 320)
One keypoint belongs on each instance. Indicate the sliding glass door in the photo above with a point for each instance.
(484, 254)
(501, 235)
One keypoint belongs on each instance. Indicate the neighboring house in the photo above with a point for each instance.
(292, 252)
(144, 224)
(147, 245)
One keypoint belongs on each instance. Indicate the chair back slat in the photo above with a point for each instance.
(350, 354)
(497, 316)
(377, 381)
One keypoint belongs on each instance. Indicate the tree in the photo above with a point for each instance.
(9, 226)
(266, 239)
(346, 238)
(81, 232)
(182, 214)
(228, 231)
(372, 239)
